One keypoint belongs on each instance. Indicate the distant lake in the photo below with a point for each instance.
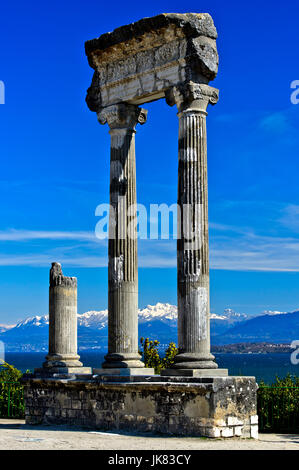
(262, 366)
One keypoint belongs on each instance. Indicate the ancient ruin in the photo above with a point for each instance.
(62, 357)
(171, 56)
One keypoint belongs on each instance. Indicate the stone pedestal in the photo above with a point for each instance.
(212, 407)
(62, 357)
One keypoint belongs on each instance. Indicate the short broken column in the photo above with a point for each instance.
(63, 356)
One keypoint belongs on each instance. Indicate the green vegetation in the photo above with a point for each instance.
(151, 355)
(11, 392)
(278, 405)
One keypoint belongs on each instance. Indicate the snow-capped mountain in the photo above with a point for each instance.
(273, 312)
(230, 314)
(278, 327)
(33, 321)
(4, 328)
(155, 321)
(166, 313)
(93, 319)
(221, 323)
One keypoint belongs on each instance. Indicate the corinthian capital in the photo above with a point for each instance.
(190, 95)
(122, 116)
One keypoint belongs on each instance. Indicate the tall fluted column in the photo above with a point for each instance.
(62, 356)
(122, 251)
(193, 244)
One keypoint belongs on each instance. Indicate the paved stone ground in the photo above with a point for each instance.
(15, 434)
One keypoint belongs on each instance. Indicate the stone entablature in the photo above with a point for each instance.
(137, 63)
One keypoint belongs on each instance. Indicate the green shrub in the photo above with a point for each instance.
(151, 355)
(278, 405)
(11, 392)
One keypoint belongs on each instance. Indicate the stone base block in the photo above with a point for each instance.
(144, 371)
(219, 407)
(195, 372)
(48, 372)
(62, 361)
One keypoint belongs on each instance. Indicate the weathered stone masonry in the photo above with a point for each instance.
(213, 408)
(192, 245)
(171, 56)
(122, 268)
(62, 356)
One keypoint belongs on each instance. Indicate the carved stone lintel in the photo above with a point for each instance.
(122, 116)
(190, 95)
(137, 63)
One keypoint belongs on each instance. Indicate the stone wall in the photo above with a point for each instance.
(215, 407)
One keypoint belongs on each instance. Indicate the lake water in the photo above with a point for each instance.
(262, 366)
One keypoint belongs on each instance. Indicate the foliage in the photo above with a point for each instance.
(278, 405)
(9, 373)
(11, 392)
(151, 355)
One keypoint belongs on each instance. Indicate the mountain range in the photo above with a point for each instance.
(156, 322)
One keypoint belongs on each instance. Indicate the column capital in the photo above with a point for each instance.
(122, 116)
(192, 96)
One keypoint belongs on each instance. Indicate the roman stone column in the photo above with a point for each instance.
(122, 246)
(194, 355)
(63, 355)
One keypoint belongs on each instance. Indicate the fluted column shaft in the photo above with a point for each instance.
(62, 320)
(122, 248)
(193, 239)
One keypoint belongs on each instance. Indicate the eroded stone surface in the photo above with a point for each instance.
(214, 409)
(122, 246)
(192, 100)
(62, 321)
(137, 63)
(171, 55)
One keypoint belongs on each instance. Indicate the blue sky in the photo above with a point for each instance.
(55, 157)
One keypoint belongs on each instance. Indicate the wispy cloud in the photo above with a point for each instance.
(266, 240)
(283, 125)
(250, 251)
(44, 260)
(290, 217)
(277, 122)
(240, 253)
(24, 235)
